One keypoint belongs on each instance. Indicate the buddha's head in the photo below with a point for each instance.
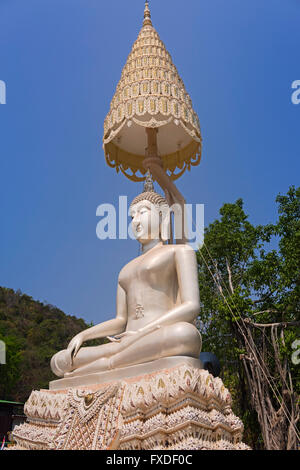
(150, 214)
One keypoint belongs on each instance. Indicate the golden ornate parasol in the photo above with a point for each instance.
(151, 96)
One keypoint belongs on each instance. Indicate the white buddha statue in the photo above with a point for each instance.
(157, 303)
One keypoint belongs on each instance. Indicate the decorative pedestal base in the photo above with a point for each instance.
(139, 370)
(183, 408)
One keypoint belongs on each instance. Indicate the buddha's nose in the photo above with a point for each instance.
(136, 219)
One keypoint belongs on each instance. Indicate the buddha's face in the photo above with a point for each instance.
(145, 221)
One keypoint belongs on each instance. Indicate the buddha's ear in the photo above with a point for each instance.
(165, 224)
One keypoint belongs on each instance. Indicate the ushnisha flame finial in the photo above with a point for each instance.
(148, 186)
(149, 194)
(147, 15)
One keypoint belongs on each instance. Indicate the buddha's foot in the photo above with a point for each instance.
(100, 365)
(60, 363)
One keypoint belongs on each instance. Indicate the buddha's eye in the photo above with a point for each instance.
(143, 210)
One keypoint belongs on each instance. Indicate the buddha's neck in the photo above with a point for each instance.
(151, 244)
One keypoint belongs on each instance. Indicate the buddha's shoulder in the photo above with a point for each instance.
(179, 249)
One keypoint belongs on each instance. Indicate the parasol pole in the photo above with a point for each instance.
(154, 164)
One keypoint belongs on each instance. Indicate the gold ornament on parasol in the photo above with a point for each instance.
(151, 96)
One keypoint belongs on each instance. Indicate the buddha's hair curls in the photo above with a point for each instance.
(152, 197)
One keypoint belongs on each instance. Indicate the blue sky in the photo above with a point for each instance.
(61, 61)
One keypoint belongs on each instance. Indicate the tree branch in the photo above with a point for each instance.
(229, 276)
(267, 325)
(265, 311)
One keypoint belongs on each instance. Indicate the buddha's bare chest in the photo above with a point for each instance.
(150, 270)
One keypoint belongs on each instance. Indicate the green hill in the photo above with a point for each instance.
(33, 332)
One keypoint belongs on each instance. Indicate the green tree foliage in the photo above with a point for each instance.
(33, 333)
(249, 276)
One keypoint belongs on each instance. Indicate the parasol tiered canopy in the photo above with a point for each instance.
(151, 95)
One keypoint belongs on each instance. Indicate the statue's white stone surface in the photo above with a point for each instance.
(157, 304)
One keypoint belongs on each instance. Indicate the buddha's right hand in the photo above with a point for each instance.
(75, 345)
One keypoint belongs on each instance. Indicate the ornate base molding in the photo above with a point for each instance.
(139, 370)
(184, 408)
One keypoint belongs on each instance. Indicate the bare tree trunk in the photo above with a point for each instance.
(275, 403)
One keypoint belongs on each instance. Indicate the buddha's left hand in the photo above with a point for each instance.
(117, 338)
(139, 333)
